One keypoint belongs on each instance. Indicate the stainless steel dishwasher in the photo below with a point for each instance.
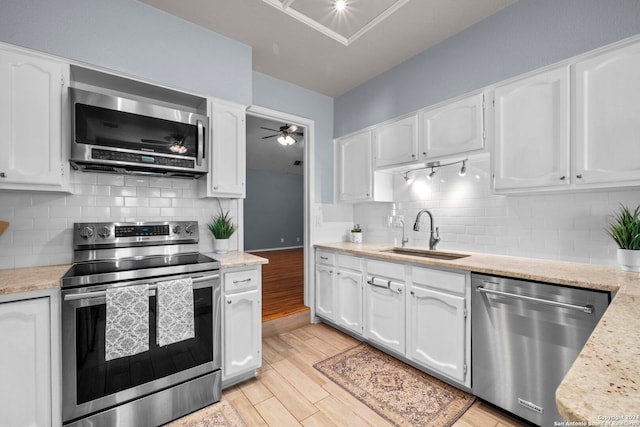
(525, 336)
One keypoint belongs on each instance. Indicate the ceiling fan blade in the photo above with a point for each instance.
(270, 136)
(273, 130)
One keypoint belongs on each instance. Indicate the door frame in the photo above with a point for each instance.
(309, 185)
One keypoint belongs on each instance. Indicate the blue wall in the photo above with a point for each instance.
(273, 209)
(133, 38)
(522, 37)
(278, 95)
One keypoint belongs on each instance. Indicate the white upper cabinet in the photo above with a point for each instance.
(227, 156)
(455, 128)
(33, 97)
(531, 132)
(396, 143)
(607, 147)
(357, 181)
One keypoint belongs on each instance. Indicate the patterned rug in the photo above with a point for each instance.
(221, 414)
(398, 392)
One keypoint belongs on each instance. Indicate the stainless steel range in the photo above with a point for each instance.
(162, 381)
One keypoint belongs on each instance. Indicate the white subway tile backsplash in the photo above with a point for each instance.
(566, 226)
(41, 223)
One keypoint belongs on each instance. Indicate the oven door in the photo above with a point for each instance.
(90, 384)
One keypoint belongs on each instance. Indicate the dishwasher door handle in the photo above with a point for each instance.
(583, 308)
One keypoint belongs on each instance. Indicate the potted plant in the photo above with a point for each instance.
(356, 234)
(625, 231)
(222, 228)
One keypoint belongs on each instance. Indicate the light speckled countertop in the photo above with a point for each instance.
(27, 279)
(604, 381)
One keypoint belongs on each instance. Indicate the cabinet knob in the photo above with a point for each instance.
(412, 293)
(3, 175)
(424, 153)
(228, 301)
(368, 195)
(215, 187)
(562, 178)
(413, 156)
(579, 176)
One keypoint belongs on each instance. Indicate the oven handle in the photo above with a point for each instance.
(152, 289)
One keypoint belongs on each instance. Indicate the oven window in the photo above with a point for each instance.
(97, 378)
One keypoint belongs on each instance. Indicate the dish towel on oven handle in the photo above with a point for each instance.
(127, 326)
(175, 311)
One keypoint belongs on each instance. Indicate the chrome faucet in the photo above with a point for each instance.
(434, 238)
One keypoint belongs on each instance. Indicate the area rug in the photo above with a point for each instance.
(221, 414)
(398, 392)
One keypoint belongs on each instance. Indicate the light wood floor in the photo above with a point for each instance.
(290, 392)
(282, 283)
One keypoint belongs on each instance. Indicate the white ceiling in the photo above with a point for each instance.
(305, 42)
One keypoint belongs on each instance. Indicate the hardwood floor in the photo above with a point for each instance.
(289, 391)
(282, 283)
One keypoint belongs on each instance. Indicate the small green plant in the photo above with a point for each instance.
(625, 228)
(356, 229)
(222, 226)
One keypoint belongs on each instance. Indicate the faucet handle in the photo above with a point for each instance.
(438, 233)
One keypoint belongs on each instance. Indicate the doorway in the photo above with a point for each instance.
(275, 225)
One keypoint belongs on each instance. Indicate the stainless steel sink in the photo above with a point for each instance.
(426, 253)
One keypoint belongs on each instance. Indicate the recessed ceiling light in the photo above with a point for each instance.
(340, 5)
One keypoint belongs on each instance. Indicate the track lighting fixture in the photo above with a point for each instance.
(435, 166)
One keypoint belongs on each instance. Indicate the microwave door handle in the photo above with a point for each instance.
(200, 142)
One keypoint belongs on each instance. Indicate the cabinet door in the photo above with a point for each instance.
(325, 292)
(531, 146)
(385, 316)
(438, 332)
(454, 128)
(242, 333)
(25, 363)
(228, 151)
(31, 120)
(355, 173)
(608, 117)
(349, 300)
(396, 143)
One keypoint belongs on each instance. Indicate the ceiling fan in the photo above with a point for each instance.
(286, 134)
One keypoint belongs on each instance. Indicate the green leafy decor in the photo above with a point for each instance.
(625, 228)
(222, 226)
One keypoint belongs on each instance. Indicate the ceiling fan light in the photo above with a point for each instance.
(289, 140)
(282, 140)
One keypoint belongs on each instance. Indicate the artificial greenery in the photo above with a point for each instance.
(222, 226)
(356, 229)
(625, 228)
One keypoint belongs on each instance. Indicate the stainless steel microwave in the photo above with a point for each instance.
(122, 135)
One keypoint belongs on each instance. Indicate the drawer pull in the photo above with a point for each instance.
(242, 281)
(324, 258)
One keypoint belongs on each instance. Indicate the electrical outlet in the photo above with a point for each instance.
(297, 239)
(282, 240)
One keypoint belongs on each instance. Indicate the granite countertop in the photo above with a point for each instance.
(27, 279)
(604, 381)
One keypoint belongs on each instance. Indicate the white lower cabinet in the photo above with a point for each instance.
(348, 287)
(384, 307)
(28, 369)
(241, 324)
(438, 330)
(419, 314)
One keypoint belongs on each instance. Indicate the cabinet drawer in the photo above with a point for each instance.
(447, 281)
(351, 262)
(237, 280)
(324, 257)
(385, 269)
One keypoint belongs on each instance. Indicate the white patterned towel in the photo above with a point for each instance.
(127, 329)
(175, 311)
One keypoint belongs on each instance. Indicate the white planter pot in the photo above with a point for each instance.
(221, 246)
(356, 237)
(629, 260)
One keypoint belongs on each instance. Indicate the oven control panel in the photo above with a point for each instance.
(123, 234)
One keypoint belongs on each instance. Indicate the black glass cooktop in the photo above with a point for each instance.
(107, 271)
